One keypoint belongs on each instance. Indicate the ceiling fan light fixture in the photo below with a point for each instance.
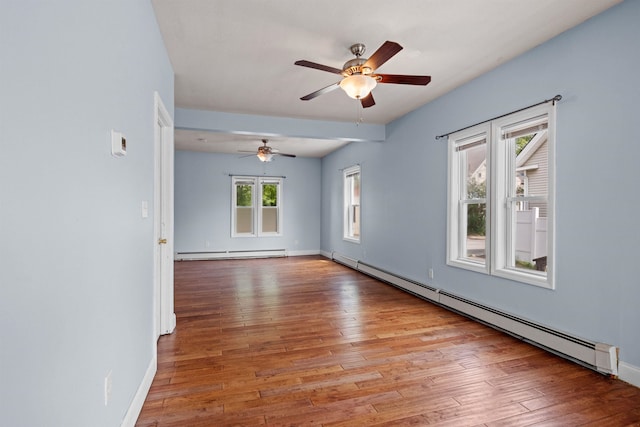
(358, 86)
(265, 157)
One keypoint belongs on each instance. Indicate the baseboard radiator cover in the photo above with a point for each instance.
(407, 285)
(211, 255)
(601, 357)
(597, 356)
(341, 259)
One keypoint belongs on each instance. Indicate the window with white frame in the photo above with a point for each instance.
(256, 206)
(351, 179)
(501, 188)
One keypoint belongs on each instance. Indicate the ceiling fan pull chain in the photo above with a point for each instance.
(359, 113)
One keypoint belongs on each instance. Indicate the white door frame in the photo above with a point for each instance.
(163, 219)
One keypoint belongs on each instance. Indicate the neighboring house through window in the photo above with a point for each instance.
(351, 179)
(256, 206)
(501, 187)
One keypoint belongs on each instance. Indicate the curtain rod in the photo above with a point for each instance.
(258, 176)
(554, 100)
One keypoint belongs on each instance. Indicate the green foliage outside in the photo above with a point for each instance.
(244, 195)
(476, 213)
(270, 195)
(522, 142)
(525, 264)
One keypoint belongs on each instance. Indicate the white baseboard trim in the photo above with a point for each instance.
(200, 256)
(629, 373)
(138, 400)
(303, 253)
(263, 253)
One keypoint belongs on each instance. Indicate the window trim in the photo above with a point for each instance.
(235, 180)
(347, 196)
(454, 238)
(498, 249)
(279, 183)
(500, 255)
(256, 208)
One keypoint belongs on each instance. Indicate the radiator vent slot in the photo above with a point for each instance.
(598, 356)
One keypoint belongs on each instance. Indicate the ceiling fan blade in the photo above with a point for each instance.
(368, 101)
(321, 91)
(284, 154)
(317, 66)
(382, 55)
(403, 79)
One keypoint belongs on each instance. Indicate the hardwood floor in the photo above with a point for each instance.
(305, 341)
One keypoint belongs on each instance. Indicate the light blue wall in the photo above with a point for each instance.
(76, 258)
(404, 181)
(203, 202)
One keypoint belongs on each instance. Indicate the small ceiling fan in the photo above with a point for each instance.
(359, 76)
(266, 153)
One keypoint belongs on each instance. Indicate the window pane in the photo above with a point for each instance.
(528, 189)
(244, 195)
(355, 205)
(530, 239)
(352, 203)
(244, 208)
(355, 195)
(476, 219)
(474, 227)
(269, 194)
(530, 175)
(474, 158)
(269, 219)
(355, 221)
(244, 219)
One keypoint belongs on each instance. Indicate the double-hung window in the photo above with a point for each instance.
(468, 210)
(351, 180)
(501, 193)
(256, 206)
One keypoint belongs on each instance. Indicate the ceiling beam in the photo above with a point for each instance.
(246, 124)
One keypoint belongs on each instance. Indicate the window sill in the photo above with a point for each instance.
(468, 265)
(542, 281)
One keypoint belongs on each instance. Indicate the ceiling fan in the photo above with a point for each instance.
(266, 153)
(359, 76)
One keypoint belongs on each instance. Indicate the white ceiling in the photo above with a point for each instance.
(238, 56)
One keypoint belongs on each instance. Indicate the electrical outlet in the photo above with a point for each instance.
(108, 383)
(431, 273)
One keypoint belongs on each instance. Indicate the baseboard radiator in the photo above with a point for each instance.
(200, 256)
(597, 356)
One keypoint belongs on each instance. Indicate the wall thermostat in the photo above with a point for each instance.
(118, 144)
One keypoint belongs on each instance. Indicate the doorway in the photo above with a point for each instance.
(164, 316)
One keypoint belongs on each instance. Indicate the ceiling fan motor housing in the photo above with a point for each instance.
(354, 66)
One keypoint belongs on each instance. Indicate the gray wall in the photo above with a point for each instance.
(404, 183)
(76, 258)
(203, 202)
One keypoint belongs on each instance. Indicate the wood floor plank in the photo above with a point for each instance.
(305, 341)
